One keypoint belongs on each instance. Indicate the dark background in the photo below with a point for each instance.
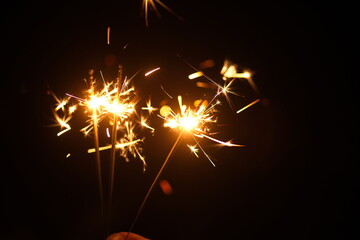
(296, 178)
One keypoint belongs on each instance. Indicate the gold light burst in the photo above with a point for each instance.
(115, 101)
(151, 5)
(196, 121)
(111, 101)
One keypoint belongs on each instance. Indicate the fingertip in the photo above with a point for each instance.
(115, 236)
(123, 234)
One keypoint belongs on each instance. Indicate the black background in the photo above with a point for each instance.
(296, 177)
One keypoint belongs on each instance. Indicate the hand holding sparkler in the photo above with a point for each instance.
(125, 235)
(194, 122)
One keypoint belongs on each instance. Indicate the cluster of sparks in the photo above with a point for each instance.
(116, 102)
(229, 74)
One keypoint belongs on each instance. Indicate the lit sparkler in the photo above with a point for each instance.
(194, 122)
(115, 101)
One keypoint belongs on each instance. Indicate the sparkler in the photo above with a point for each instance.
(93, 105)
(115, 101)
(113, 138)
(196, 122)
(188, 121)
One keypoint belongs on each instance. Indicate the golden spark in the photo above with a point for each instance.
(150, 5)
(151, 71)
(249, 105)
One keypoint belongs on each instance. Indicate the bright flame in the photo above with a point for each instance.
(197, 122)
(190, 120)
(96, 102)
(110, 101)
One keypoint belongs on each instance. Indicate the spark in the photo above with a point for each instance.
(144, 124)
(149, 107)
(166, 92)
(108, 35)
(229, 74)
(63, 123)
(62, 115)
(132, 144)
(225, 90)
(60, 102)
(151, 71)
(122, 145)
(193, 149)
(204, 85)
(114, 101)
(221, 89)
(196, 75)
(150, 4)
(249, 105)
(229, 71)
(228, 143)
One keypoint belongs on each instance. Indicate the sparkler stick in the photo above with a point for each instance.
(154, 182)
(113, 141)
(96, 140)
(116, 101)
(98, 162)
